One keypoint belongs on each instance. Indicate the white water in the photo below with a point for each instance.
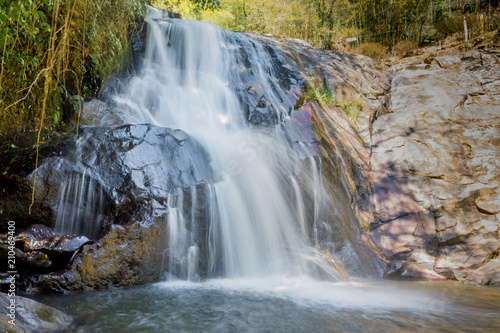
(186, 83)
(308, 292)
(80, 206)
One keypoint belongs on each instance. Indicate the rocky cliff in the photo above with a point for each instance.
(435, 157)
(426, 151)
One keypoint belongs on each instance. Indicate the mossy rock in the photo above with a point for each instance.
(32, 316)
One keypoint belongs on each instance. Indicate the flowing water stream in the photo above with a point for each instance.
(263, 271)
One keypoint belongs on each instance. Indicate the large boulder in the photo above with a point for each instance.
(134, 172)
(127, 255)
(123, 168)
(31, 316)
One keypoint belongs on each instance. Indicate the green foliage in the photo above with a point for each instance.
(321, 95)
(325, 23)
(325, 97)
(208, 4)
(352, 110)
(189, 10)
(50, 44)
(449, 25)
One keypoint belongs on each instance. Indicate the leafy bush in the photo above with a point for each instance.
(352, 110)
(322, 95)
(448, 25)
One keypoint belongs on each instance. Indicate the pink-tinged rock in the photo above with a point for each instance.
(37, 232)
(62, 243)
(487, 274)
(405, 234)
(436, 153)
(408, 270)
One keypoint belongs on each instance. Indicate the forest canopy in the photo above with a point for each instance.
(322, 23)
(54, 49)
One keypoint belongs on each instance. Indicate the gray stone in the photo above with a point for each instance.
(436, 157)
(97, 113)
(31, 316)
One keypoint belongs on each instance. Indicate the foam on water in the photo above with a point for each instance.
(311, 293)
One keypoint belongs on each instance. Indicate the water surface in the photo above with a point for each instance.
(285, 305)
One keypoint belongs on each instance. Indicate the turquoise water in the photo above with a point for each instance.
(292, 305)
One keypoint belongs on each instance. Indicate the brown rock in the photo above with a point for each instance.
(126, 256)
(489, 204)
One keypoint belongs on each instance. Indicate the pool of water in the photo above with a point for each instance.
(285, 305)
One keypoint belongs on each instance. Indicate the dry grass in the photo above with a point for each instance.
(372, 50)
(405, 46)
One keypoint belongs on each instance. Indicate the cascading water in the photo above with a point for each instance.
(196, 78)
(188, 81)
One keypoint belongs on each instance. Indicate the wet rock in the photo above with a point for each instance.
(35, 232)
(64, 244)
(327, 132)
(39, 250)
(31, 316)
(128, 255)
(98, 113)
(41, 238)
(123, 157)
(125, 167)
(161, 13)
(37, 260)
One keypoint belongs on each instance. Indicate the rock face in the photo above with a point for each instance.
(436, 166)
(424, 178)
(133, 171)
(127, 255)
(116, 165)
(344, 158)
(31, 316)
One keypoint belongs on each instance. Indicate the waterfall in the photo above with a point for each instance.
(222, 89)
